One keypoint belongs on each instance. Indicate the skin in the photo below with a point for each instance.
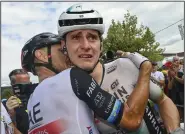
(59, 61)
(16, 131)
(85, 42)
(22, 78)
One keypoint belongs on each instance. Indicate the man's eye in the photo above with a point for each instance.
(75, 37)
(92, 38)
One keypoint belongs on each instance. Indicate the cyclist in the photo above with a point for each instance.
(82, 31)
(53, 107)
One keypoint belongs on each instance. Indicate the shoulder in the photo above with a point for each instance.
(57, 80)
(5, 115)
(121, 61)
(159, 72)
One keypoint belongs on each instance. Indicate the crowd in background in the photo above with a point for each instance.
(173, 72)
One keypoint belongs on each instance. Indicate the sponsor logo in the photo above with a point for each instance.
(99, 99)
(25, 52)
(34, 114)
(55, 127)
(91, 88)
(81, 16)
(114, 84)
(77, 86)
(90, 130)
(153, 120)
(121, 94)
(111, 69)
(107, 110)
(115, 112)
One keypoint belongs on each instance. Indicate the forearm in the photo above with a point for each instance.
(179, 80)
(169, 114)
(15, 130)
(12, 114)
(137, 101)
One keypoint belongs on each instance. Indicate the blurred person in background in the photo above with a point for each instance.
(165, 69)
(176, 85)
(7, 126)
(157, 76)
(176, 60)
(109, 56)
(182, 64)
(14, 104)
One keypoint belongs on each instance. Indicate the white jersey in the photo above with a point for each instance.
(54, 108)
(158, 75)
(120, 78)
(5, 121)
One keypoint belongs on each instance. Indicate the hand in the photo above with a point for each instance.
(172, 73)
(13, 102)
(122, 54)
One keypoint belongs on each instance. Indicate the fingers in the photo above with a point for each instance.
(13, 102)
(12, 98)
(122, 53)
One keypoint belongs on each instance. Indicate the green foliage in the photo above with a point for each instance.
(127, 36)
(6, 93)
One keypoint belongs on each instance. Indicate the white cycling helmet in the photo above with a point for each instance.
(77, 17)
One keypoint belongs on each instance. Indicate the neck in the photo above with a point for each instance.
(97, 74)
(44, 73)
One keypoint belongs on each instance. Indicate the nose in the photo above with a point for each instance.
(85, 44)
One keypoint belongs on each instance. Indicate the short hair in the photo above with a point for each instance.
(175, 58)
(15, 72)
(154, 63)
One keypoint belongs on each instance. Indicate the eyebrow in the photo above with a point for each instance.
(80, 32)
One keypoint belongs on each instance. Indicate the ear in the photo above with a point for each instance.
(41, 55)
(62, 42)
(63, 47)
(101, 47)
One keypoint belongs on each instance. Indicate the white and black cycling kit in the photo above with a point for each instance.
(120, 78)
(55, 107)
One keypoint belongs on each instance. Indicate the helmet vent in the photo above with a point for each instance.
(44, 36)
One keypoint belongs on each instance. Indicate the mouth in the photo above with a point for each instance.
(85, 56)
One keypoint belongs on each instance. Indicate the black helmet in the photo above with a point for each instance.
(38, 41)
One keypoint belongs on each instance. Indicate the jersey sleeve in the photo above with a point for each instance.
(105, 105)
(5, 115)
(137, 59)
